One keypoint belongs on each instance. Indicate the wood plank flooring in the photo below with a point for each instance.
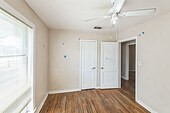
(129, 85)
(92, 101)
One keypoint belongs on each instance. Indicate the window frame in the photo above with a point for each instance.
(11, 11)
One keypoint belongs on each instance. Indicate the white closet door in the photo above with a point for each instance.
(109, 65)
(88, 64)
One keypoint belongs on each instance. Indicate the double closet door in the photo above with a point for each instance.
(101, 73)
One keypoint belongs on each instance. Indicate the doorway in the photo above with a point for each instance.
(128, 67)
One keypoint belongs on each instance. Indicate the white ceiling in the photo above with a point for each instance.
(70, 14)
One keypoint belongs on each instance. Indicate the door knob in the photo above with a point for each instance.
(102, 67)
(93, 68)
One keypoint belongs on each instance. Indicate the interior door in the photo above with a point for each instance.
(109, 65)
(88, 64)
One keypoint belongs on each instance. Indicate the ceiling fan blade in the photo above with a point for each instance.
(118, 5)
(141, 12)
(97, 18)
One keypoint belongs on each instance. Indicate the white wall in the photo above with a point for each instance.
(64, 73)
(153, 53)
(41, 53)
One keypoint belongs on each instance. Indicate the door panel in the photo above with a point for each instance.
(88, 80)
(109, 65)
(88, 64)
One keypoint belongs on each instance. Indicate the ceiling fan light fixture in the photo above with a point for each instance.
(114, 22)
(115, 17)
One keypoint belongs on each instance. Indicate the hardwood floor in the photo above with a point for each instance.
(92, 101)
(129, 85)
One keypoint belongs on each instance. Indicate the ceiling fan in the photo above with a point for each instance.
(115, 12)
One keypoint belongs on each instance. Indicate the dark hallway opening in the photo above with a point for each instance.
(128, 80)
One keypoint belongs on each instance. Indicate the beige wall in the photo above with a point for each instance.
(64, 73)
(41, 53)
(153, 53)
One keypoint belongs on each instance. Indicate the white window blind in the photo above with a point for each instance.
(15, 77)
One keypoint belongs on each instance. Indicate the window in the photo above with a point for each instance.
(15, 64)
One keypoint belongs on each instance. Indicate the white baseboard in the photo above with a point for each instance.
(41, 104)
(63, 91)
(66, 91)
(146, 106)
(98, 88)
